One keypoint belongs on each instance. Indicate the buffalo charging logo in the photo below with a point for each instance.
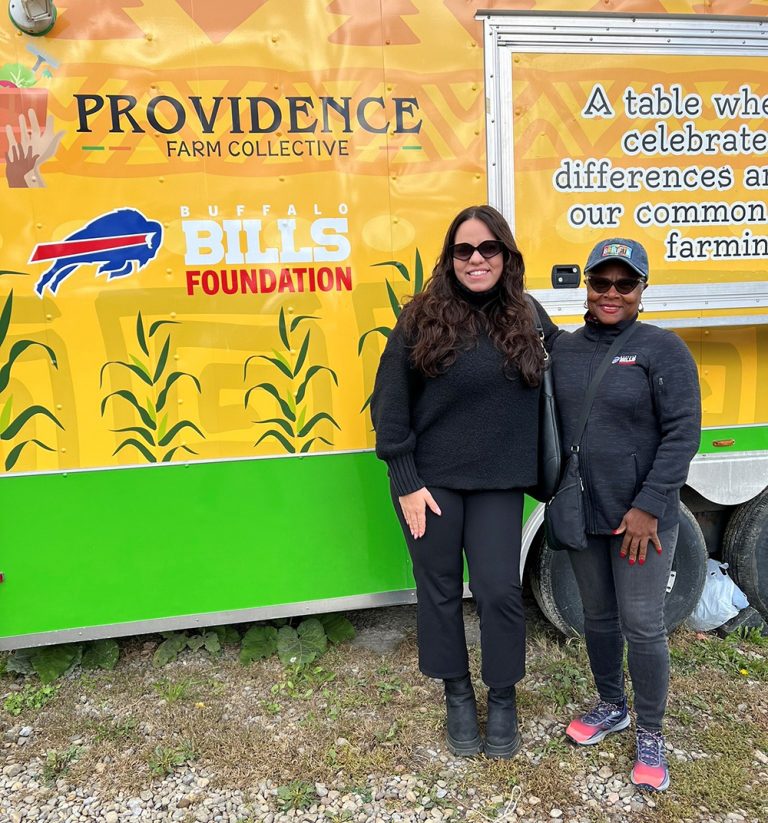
(120, 243)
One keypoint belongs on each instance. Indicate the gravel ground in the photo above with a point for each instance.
(281, 778)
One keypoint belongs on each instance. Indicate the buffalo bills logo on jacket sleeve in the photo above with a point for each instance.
(119, 243)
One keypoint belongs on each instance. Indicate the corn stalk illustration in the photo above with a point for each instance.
(293, 429)
(10, 426)
(394, 301)
(154, 440)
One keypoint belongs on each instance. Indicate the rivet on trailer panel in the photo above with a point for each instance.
(161, 180)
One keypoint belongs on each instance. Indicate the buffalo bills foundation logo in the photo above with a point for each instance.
(120, 243)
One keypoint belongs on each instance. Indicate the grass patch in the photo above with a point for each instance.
(173, 691)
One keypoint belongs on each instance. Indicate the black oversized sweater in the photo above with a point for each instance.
(644, 426)
(471, 427)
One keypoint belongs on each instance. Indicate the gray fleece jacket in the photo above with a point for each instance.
(645, 424)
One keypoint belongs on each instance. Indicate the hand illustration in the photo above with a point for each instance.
(26, 155)
(19, 163)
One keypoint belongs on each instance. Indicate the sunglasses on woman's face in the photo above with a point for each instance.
(488, 249)
(624, 285)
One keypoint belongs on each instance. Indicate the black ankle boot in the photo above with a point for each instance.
(463, 734)
(502, 737)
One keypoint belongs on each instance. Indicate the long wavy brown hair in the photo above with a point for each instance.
(439, 323)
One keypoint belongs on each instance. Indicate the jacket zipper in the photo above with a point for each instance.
(584, 451)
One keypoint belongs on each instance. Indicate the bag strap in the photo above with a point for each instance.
(539, 329)
(589, 398)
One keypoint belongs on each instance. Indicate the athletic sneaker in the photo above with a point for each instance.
(650, 770)
(593, 726)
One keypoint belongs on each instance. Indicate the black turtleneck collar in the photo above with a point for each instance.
(595, 330)
(478, 299)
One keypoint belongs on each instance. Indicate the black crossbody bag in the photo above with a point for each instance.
(564, 518)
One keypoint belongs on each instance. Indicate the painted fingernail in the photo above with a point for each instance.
(622, 555)
(658, 550)
(615, 531)
(631, 561)
(641, 561)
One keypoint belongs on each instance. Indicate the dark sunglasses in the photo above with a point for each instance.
(624, 285)
(488, 249)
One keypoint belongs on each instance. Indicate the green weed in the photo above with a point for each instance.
(300, 681)
(298, 794)
(30, 697)
(164, 759)
(57, 763)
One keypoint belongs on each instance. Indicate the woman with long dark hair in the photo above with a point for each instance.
(455, 409)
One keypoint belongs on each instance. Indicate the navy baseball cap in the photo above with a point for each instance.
(622, 250)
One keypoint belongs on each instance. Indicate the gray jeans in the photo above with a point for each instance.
(623, 602)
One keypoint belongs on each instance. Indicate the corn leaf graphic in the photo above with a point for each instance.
(294, 373)
(417, 281)
(152, 436)
(10, 426)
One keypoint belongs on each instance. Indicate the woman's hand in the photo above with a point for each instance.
(414, 506)
(638, 528)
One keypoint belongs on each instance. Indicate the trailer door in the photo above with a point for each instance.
(652, 127)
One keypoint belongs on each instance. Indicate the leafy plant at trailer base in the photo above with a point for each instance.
(154, 433)
(296, 647)
(394, 301)
(175, 642)
(9, 428)
(258, 642)
(50, 662)
(289, 429)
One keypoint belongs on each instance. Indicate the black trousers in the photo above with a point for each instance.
(487, 525)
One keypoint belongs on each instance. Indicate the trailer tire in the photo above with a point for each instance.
(745, 550)
(554, 584)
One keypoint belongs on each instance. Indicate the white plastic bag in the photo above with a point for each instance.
(721, 600)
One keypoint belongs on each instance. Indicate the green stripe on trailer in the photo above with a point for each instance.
(93, 548)
(746, 439)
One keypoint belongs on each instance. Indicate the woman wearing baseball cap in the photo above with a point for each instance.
(641, 434)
